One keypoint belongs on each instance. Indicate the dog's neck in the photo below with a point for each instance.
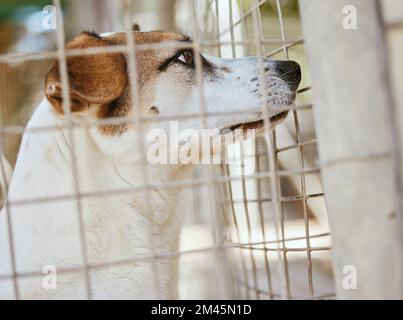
(125, 219)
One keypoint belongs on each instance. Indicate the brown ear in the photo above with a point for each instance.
(93, 79)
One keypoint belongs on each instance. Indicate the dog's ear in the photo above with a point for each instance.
(93, 79)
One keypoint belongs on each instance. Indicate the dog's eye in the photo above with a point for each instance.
(186, 58)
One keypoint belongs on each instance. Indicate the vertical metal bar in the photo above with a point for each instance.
(217, 12)
(231, 26)
(224, 286)
(248, 223)
(132, 64)
(243, 22)
(235, 220)
(301, 161)
(244, 196)
(262, 225)
(67, 111)
(272, 163)
(278, 181)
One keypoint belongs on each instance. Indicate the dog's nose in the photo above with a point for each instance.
(290, 72)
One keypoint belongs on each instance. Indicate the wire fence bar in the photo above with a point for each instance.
(244, 196)
(225, 172)
(235, 221)
(224, 288)
(260, 202)
(256, 7)
(134, 90)
(301, 160)
(150, 258)
(163, 185)
(43, 55)
(302, 249)
(283, 198)
(85, 123)
(299, 145)
(274, 187)
(73, 155)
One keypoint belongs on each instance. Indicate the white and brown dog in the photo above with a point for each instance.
(119, 226)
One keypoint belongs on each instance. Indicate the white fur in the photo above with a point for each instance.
(230, 92)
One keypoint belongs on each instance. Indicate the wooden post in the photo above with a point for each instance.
(359, 146)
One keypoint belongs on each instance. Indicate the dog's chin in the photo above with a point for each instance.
(257, 126)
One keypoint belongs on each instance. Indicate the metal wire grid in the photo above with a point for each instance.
(254, 289)
(273, 174)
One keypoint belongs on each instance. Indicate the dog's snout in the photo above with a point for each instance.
(290, 72)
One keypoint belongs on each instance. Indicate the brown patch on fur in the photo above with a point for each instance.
(93, 79)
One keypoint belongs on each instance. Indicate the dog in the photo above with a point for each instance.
(55, 229)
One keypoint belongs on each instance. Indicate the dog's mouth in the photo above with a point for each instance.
(256, 125)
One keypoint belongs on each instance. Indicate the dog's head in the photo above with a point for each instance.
(231, 93)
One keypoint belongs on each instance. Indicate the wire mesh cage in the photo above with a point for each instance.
(280, 229)
(265, 212)
(254, 228)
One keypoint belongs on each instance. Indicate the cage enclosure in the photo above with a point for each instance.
(255, 227)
